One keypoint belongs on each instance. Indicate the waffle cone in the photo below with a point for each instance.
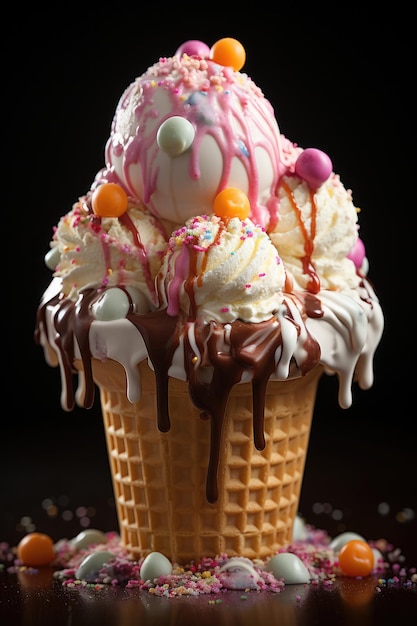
(159, 479)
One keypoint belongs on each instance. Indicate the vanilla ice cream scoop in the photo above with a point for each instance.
(223, 270)
(90, 251)
(186, 129)
(316, 231)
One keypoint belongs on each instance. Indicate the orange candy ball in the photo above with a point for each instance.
(228, 52)
(109, 200)
(231, 202)
(356, 558)
(36, 549)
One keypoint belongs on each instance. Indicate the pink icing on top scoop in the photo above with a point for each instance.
(236, 142)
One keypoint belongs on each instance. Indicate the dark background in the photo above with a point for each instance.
(342, 84)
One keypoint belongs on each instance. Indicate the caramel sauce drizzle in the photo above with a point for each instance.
(313, 284)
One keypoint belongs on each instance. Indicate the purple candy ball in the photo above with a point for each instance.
(313, 166)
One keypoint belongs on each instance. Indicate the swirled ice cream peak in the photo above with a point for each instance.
(222, 270)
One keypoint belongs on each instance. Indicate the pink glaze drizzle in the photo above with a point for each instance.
(210, 106)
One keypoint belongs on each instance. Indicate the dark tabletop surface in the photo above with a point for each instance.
(39, 600)
(345, 90)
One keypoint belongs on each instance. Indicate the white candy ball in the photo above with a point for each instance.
(87, 538)
(154, 566)
(92, 564)
(288, 566)
(113, 304)
(338, 542)
(52, 258)
(299, 531)
(175, 135)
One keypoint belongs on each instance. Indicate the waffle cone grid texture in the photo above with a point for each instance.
(159, 479)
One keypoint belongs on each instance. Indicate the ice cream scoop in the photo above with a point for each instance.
(221, 270)
(315, 232)
(189, 127)
(94, 251)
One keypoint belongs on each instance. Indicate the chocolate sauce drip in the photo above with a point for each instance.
(159, 334)
(65, 342)
(211, 374)
(251, 347)
(71, 321)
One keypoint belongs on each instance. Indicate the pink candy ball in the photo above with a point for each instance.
(358, 253)
(313, 166)
(193, 47)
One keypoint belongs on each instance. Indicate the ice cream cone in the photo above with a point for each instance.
(159, 477)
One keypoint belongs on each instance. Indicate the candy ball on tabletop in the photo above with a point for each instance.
(356, 558)
(379, 563)
(36, 550)
(92, 564)
(239, 573)
(193, 47)
(313, 166)
(87, 538)
(299, 529)
(339, 541)
(288, 566)
(155, 565)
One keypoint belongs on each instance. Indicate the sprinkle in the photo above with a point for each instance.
(202, 577)
(224, 309)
